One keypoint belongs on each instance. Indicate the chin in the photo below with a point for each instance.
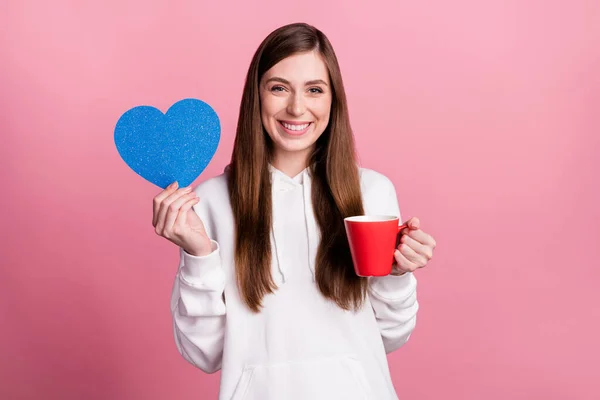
(295, 147)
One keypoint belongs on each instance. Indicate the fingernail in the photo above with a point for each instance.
(173, 185)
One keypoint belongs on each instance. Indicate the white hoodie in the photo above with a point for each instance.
(301, 346)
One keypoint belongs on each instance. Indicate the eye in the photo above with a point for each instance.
(315, 90)
(277, 89)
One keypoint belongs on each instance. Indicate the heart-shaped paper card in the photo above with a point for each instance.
(163, 148)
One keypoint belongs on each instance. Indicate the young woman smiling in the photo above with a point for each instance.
(266, 290)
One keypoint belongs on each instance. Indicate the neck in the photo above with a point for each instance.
(291, 163)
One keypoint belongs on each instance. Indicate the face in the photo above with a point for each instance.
(295, 99)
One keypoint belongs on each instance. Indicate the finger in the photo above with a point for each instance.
(412, 255)
(396, 271)
(403, 263)
(173, 210)
(421, 249)
(159, 198)
(411, 224)
(421, 237)
(164, 206)
(182, 216)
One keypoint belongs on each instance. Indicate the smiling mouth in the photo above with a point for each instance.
(295, 128)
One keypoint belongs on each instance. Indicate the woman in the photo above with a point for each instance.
(266, 289)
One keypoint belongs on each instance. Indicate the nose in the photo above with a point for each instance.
(296, 106)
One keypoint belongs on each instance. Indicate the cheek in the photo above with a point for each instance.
(270, 106)
(323, 108)
(266, 111)
(323, 114)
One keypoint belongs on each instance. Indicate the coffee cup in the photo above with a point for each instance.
(373, 240)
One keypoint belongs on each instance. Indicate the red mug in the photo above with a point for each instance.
(373, 240)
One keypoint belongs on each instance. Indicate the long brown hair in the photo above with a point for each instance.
(335, 189)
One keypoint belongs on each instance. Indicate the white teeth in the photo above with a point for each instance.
(295, 127)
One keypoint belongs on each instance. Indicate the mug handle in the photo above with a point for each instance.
(400, 227)
(398, 236)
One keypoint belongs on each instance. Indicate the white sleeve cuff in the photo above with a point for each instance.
(198, 268)
(393, 288)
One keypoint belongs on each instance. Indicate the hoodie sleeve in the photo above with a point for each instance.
(394, 298)
(198, 309)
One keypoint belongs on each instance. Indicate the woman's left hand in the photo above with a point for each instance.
(415, 249)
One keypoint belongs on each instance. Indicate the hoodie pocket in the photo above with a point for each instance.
(330, 378)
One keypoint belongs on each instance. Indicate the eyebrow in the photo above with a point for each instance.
(313, 82)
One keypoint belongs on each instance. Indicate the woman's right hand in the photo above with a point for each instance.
(174, 221)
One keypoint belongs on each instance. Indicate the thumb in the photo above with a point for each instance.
(414, 223)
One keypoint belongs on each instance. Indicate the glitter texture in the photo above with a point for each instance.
(176, 146)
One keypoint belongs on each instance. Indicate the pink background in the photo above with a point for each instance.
(486, 115)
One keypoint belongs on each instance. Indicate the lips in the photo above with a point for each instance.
(295, 128)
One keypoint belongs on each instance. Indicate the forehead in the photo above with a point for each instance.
(299, 68)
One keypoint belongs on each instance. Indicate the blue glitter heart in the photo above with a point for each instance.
(176, 146)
